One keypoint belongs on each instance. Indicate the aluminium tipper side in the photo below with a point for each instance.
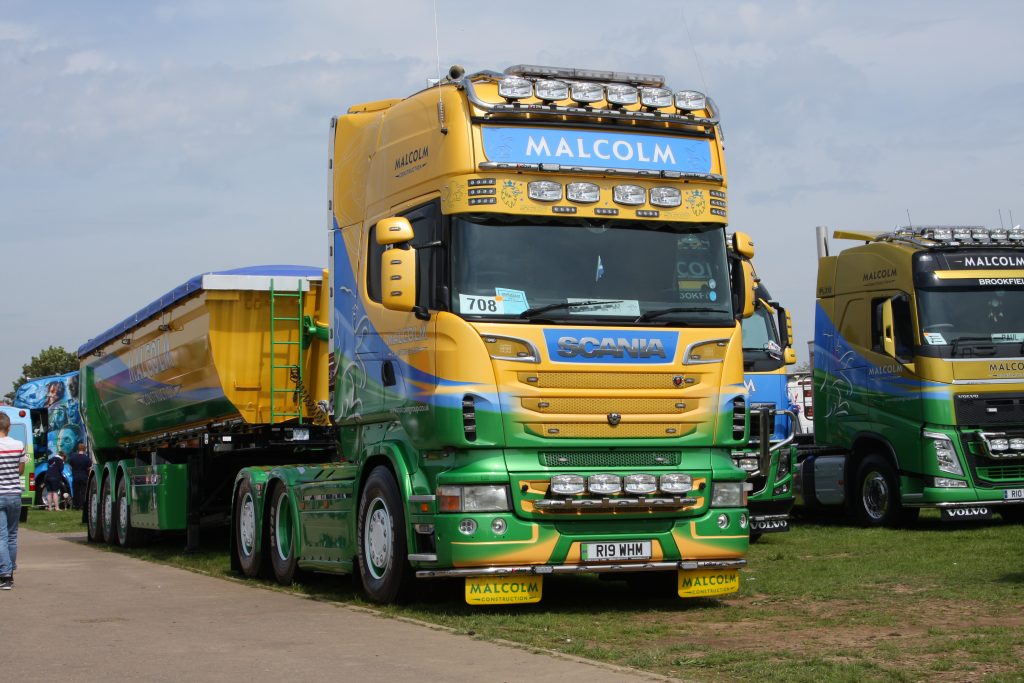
(200, 353)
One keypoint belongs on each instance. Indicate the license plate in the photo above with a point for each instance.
(1013, 494)
(503, 590)
(704, 582)
(617, 550)
(959, 514)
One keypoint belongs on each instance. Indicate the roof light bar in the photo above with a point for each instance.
(653, 80)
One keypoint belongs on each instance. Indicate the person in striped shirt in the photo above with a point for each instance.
(12, 467)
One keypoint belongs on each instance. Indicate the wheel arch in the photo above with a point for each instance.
(390, 454)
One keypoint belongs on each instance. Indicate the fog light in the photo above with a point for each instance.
(944, 483)
(747, 464)
(604, 483)
(781, 489)
(723, 521)
(1017, 444)
(999, 444)
(743, 521)
(499, 525)
(467, 526)
(544, 190)
(640, 483)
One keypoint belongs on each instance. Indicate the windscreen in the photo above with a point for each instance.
(590, 271)
(959, 316)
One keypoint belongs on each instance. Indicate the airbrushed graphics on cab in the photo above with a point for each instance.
(767, 388)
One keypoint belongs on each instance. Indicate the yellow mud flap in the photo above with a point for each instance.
(503, 590)
(701, 583)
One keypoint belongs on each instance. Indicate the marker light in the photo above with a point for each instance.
(515, 88)
(690, 100)
(544, 190)
(666, 196)
(655, 97)
(567, 484)
(585, 93)
(549, 91)
(631, 195)
(619, 94)
(584, 193)
(604, 483)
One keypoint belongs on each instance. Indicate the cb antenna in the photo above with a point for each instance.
(910, 223)
(1001, 226)
(437, 54)
(696, 57)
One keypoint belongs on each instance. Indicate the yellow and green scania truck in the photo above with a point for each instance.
(919, 376)
(526, 356)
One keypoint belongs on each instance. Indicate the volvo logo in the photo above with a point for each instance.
(614, 419)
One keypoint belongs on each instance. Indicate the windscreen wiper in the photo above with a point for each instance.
(971, 341)
(531, 312)
(657, 313)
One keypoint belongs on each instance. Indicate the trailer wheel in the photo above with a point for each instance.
(107, 512)
(247, 532)
(383, 568)
(127, 535)
(92, 506)
(282, 537)
(878, 495)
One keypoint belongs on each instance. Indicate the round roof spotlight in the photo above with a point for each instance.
(620, 95)
(586, 93)
(552, 91)
(690, 100)
(655, 98)
(514, 88)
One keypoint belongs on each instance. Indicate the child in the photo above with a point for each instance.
(54, 477)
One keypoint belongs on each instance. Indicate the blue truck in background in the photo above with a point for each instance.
(56, 426)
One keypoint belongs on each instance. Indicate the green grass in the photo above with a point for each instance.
(826, 602)
(59, 521)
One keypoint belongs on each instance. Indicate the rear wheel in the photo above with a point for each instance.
(107, 512)
(127, 535)
(282, 537)
(247, 532)
(383, 565)
(877, 495)
(92, 506)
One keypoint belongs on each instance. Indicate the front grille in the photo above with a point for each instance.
(608, 380)
(595, 430)
(989, 409)
(598, 406)
(610, 458)
(1002, 472)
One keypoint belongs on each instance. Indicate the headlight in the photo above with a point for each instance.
(515, 88)
(585, 93)
(492, 498)
(604, 483)
(676, 483)
(631, 195)
(549, 91)
(727, 494)
(584, 193)
(544, 190)
(666, 196)
(567, 484)
(621, 94)
(655, 97)
(746, 463)
(945, 455)
(640, 483)
(690, 100)
(783, 468)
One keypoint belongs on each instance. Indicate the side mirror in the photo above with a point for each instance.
(789, 355)
(744, 298)
(888, 329)
(398, 277)
(743, 245)
(394, 230)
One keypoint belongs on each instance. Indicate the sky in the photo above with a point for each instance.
(142, 143)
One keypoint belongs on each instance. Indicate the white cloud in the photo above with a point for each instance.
(88, 62)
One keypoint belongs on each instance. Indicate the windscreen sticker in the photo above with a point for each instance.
(513, 300)
(612, 307)
(481, 305)
(934, 338)
(998, 337)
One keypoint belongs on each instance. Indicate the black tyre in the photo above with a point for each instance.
(248, 533)
(92, 511)
(877, 495)
(66, 501)
(382, 554)
(40, 492)
(107, 513)
(23, 517)
(1012, 513)
(127, 535)
(282, 533)
(652, 584)
(755, 536)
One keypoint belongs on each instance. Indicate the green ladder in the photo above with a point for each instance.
(291, 323)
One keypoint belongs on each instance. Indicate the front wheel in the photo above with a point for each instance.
(282, 537)
(247, 532)
(877, 495)
(1012, 513)
(383, 566)
(92, 506)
